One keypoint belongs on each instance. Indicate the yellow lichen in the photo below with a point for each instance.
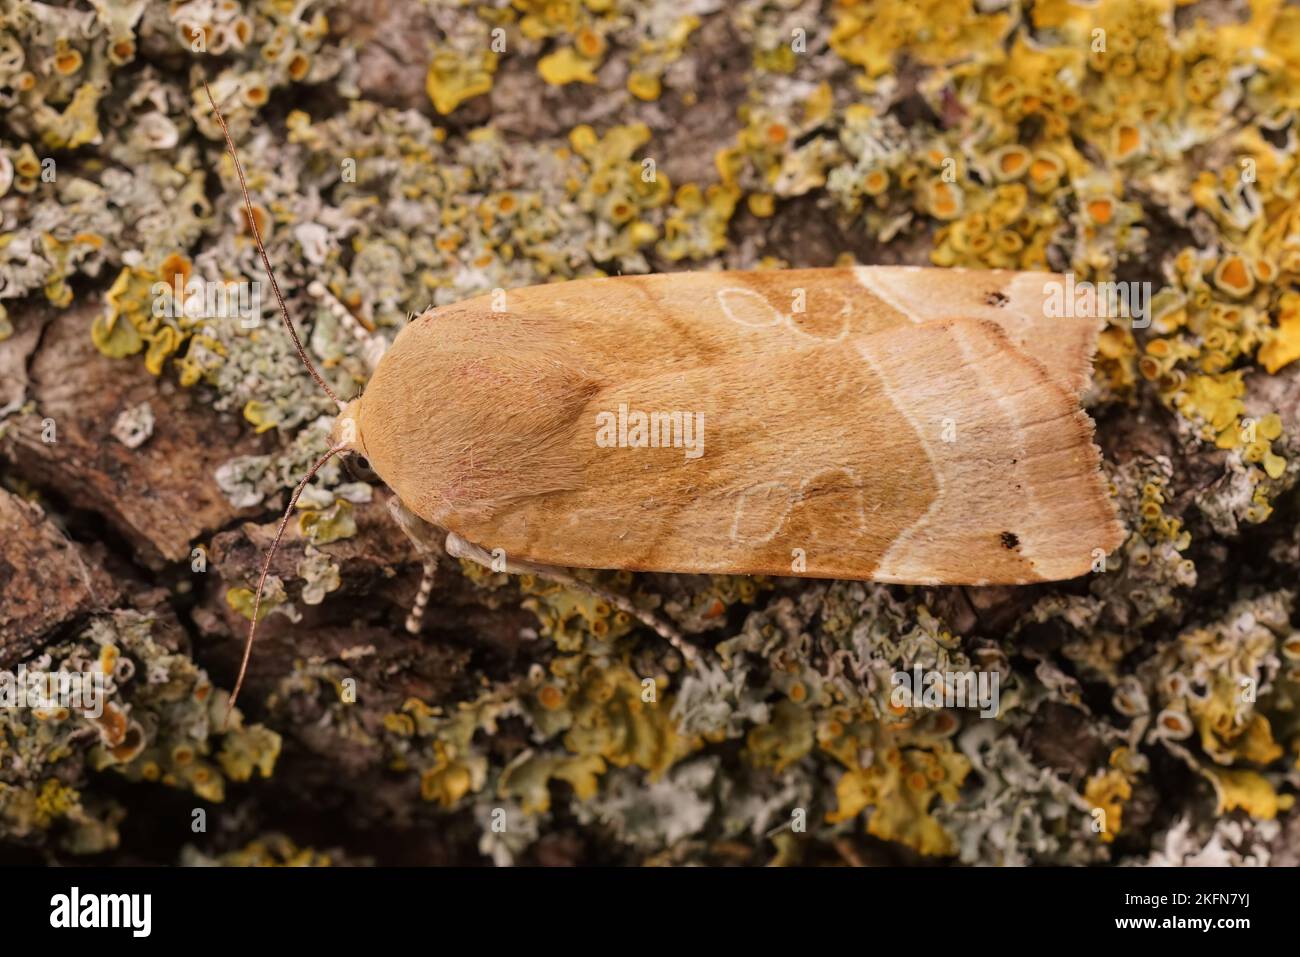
(528, 778)
(455, 77)
(898, 772)
(566, 65)
(1249, 791)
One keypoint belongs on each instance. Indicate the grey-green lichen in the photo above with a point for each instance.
(160, 720)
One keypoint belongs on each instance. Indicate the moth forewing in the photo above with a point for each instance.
(828, 423)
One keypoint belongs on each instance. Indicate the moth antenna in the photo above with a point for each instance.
(266, 569)
(266, 262)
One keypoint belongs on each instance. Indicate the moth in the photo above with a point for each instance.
(898, 424)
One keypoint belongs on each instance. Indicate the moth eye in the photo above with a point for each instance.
(358, 468)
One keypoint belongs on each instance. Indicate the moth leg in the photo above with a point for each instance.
(372, 346)
(416, 616)
(458, 547)
(427, 541)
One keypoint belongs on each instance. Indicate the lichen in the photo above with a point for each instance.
(161, 720)
(950, 134)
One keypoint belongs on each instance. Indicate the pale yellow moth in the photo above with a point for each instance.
(890, 423)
